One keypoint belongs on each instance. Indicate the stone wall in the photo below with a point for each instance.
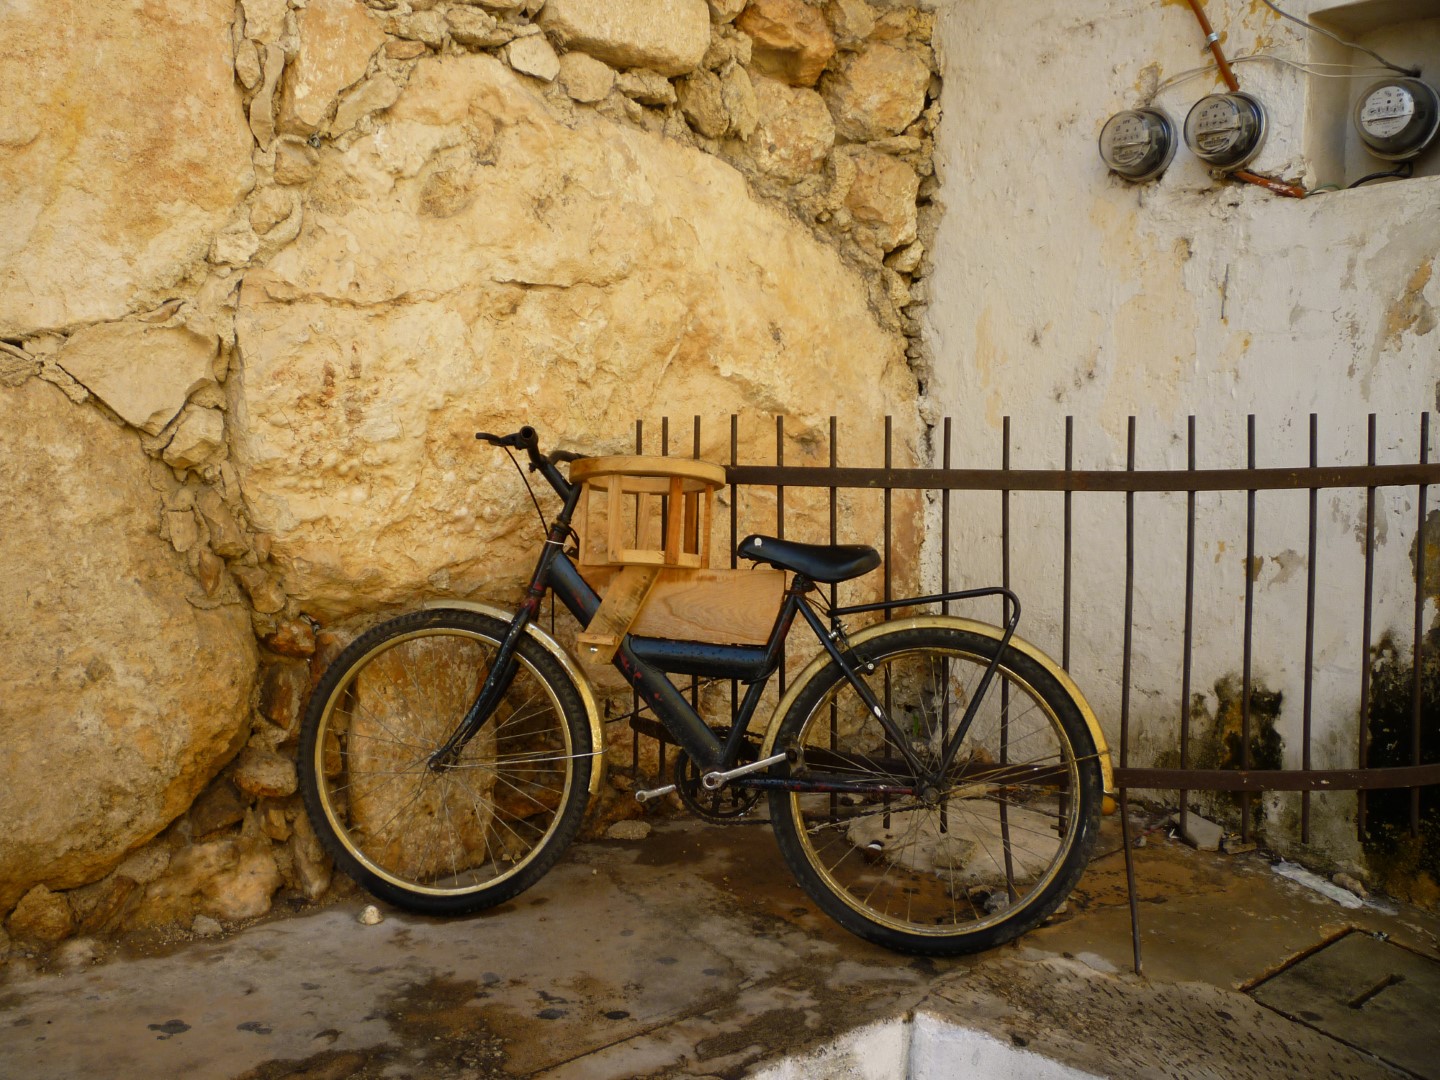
(264, 269)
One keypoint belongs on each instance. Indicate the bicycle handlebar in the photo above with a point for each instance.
(528, 439)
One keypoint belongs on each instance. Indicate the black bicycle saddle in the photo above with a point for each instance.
(818, 562)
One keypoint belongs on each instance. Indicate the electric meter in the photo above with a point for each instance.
(1138, 143)
(1397, 118)
(1226, 130)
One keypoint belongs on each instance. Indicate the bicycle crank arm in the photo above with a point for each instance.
(653, 793)
(714, 781)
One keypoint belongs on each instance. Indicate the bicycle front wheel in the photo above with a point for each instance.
(461, 836)
(974, 859)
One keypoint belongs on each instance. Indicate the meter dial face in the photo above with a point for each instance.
(1397, 119)
(1138, 143)
(1217, 126)
(1225, 130)
(1386, 111)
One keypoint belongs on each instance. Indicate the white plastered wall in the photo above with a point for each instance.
(1060, 289)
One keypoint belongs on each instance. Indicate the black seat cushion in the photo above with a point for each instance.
(818, 562)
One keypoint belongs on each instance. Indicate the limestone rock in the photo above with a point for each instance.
(619, 264)
(247, 64)
(725, 11)
(792, 41)
(793, 133)
(226, 537)
(668, 36)
(145, 373)
(534, 56)
(283, 692)
(877, 92)
(109, 733)
(646, 87)
(262, 105)
(702, 102)
(264, 19)
(337, 39)
(295, 161)
(228, 879)
(41, 916)
(293, 638)
(218, 807)
(264, 774)
(852, 20)
(584, 78)
(399, 49)
(199, 439)
(477, 29)
(907, 259)
(184, 533)
(882, 196)
(370, 96)
(425, 27)
(267, 595)
(114, 174)
(312, 867)
(737, 93)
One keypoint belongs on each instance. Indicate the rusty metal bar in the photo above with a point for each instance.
(944, 519)
(635, 694)
(734, 541)
(1188, 646)
(1330, 476)
(1069, 535)
(1005, 685)
(1309, 684)
(780, 517)
(1367, 628)
(1416, 684)
(1252, 780)
(1249, 651)
(1125, 694)
(889, 500)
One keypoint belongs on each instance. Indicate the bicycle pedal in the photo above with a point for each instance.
(647, 794)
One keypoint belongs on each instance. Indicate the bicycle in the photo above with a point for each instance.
(933, 783)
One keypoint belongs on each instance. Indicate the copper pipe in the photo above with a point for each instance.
(1213, 40)
(1269, 183)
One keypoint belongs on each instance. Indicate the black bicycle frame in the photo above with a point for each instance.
(645, 662)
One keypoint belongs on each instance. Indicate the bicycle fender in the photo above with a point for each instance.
(555, 649)
(954, 622)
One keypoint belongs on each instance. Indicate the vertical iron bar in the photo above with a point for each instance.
(1125, 694)
(1309, 635)
(1130, 877)
(1005, 685)
(1069, 499)
(834, 601)
(889, 497)
(1415, 684)
(780, 513)
(886, 499)
(634, 694)
(734, 542)
(945, 521)
(1367, 629)
(1249, 627)
(665, 511)
(1189, 643)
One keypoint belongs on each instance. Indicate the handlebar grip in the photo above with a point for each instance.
(524, 439)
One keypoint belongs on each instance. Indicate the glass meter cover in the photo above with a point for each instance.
(1225, 130)
(1397, 118)
(1138, 143)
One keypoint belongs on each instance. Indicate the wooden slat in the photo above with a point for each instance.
(623, 600)
(720, 607)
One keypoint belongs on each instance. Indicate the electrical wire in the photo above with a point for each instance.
(1355, 71)
(1412, 71)
(1403, 172)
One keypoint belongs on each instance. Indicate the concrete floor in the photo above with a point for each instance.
(692, 954)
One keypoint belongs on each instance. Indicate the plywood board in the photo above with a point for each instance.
(721, 607)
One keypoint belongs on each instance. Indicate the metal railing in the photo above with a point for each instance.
(943, 482)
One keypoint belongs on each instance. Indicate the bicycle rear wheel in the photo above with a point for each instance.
(463, 836)
(985, 854)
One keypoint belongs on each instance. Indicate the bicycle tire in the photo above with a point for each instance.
(467, 836)
(997, 847)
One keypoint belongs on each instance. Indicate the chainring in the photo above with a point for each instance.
(728, 806)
